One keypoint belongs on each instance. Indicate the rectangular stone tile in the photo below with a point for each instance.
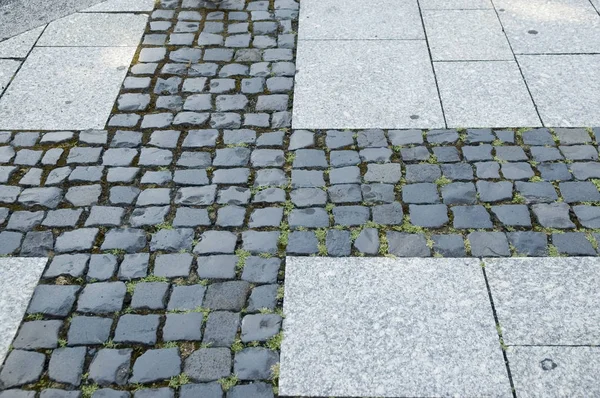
(56, 88)
(455, 4)
(122, 6)
(555, 371)
(549, 301)
(365, 84)
(466, 35)
(389, 328)
(95, 30)
(352, 19)
(8, 68)
(550, 27)
(565, 88)
(18, 278)
(20, 45)
(485, 94)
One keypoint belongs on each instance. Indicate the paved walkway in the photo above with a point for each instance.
(159, 188)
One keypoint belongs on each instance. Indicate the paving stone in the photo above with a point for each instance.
(216, 242)
(341, 193)
(261, 270)
(58, 393)
(173, 265)
(529, 243)
(217, 267)
(45, 197)
(133, 266)
(312, 310)
(446, 154)
(517, 171)
(140, 329)
(375, 155)
(442, 136)
(303, 139)
(266, 217)
(53, 300)
(87, 330)
(471, 217)
(186, 298)
(304, 197)
(231, 216)
(421, 193)
(306, 179)
(344, 158)
(416, 154)
(110, 366)
(254, 390)
(338, 243)
(163, 392)
(350, 215)
(540, 136)
(405, 137)
(553, 215)
(388, 214)
(38, 334)
(208, 390)
(459, 193)
(488, 244)
(554, 172)
(407, 245)
(221, 328)
(190, 217)
(579, 152)
(449, 245)
(66, 365)
(536, 192)
(227, 295)
(21, 367)
(264, 296)
(196, 196)
(545, 154)
(156, 365)
(172, 240)
(208, 364)
(512, 215)
(430, 216)
(519, 300)
(77, 240)
(10, 242)
(459, 171)
(585, 170)
(67, 264)
(302, 242)
(37, 244)
(588, 216)
(101, 297)
(311, 218)
(477, 153)
(569, 136)
(377, 193)
(583, 191)
(389, 173)
(85, 195)
(149, 295)
(255, 363)
(487, 169)
(367, 241)
(183, 327)
(573, 244)
(129, 239)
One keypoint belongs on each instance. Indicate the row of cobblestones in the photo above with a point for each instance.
(167, 232)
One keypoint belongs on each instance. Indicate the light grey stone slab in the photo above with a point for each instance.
(549, 301)
(20, 45)
(8, 68)
(565, 88)
(555, 371)
(123, 6)
(596, 4)
(18, 278)
(57, 86)
(365, 84)
(351, 19)
(455, 4)
(472, 94)
(389, 328)
(550, 27)
(466, 35)
(95, 30)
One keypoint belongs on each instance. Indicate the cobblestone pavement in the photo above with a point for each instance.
(168, 231)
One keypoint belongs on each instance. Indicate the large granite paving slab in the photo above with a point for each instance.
(550, 27)
(8, 68)
(548, 301)
(18, 278)
(57, 86)
(122, 6)
(455, 4)
(365, 84)
(466, 35)
(20, 45)
(95, 30)
(473, 96)
(355, 19)
(389, 328)
(565, 88)
(555, 371)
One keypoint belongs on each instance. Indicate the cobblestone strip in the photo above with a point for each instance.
(168, 231)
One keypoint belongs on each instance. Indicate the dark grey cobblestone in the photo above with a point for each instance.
(168, 231)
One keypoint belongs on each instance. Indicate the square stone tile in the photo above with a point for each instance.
(485, 94)
(18, 278)
(353, 19)
(553, 301)
(565, 88)
(466, 35)
(95, 30)
(123, 6)
(550, 27)
(381, 327)
(365, 84)
(8, 68)
(20, 45)
(57, 86)
(555, 371)
(455, 4)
